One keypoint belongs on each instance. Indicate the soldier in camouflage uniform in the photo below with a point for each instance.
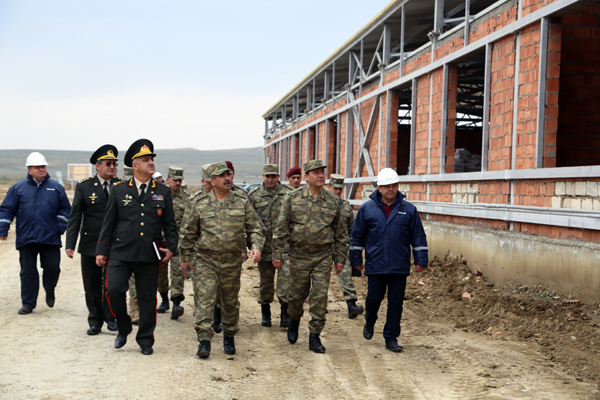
(180, 200)
(214, 230)
(310, 221)
(266, 200)
(344, 278)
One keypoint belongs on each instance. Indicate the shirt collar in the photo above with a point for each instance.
(139, 183)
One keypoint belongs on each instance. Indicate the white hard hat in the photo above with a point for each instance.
(35, 159)
(157, 175)
(387, 176)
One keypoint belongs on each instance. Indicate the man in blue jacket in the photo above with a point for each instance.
(386, 227)
(42, 210)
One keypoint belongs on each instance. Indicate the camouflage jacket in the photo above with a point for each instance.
(180, 201)
(311, 225)
(213, 229)
(267, 205)
(348, 216)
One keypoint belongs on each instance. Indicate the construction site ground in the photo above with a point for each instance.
(463, 338)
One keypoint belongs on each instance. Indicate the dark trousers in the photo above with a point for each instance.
(146, 282)
(95, 293)
(30, 278)
(396, 286)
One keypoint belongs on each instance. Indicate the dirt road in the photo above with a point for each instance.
(47, 354)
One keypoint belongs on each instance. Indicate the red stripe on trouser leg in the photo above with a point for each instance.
(106, 290)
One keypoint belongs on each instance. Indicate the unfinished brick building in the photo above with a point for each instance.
(490, 111)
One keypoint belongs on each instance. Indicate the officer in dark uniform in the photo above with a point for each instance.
(139, 210)
(87, 214)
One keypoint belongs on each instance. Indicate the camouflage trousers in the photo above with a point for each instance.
(309, 279)
(177, 279)
(267, 282)
(344, 279)
(212, 275)
(132, 290)
(163, 278)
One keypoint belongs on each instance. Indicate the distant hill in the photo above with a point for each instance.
(247, 162)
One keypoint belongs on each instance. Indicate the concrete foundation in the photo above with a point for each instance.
(567, 266)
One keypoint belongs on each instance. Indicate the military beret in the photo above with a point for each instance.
(271, 169)
(218, 168)
(313, 164)
(106, 152)
(205, 174)
(229, 165)
(294, 171)
(139, 148)
(176, 173)
(336, 181)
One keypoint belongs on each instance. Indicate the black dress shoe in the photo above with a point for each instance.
(314, 343)
(292, 332)
(266, 315)
(228, 345)
(392, 345)
(25, 310)
(368, 331)
(112, 326)
(146, 349)
(94, 330)
(50, 299)
(121, 340)
(204, 349)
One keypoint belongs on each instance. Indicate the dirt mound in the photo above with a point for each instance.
(567, 330)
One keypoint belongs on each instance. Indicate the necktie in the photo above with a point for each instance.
(143, 192)
(106, 188)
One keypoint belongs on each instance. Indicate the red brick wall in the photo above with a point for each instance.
(436, 120)
(579, 101)
(552, 96)
(422, 131)
(495, 22)
(342, 120)
(530, 6)
(527, 102)
(502, 104)
(331, 150)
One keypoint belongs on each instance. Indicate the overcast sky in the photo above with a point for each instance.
(77, 74)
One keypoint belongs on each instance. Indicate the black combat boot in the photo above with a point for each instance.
(204, 349)
(266, 314)
(228, 345)
(292, 332)
(217, 320)
(285, 318)
(314, 343)
(164, 305)
(177, 309)
(353, 309)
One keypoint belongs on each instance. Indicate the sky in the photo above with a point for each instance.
(77, 74)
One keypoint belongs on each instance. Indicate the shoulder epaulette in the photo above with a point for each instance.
(187, 192)
(161, 183)
(121, 182)
(238, 193)
(117, 179)
(86, 179)
(290, 187)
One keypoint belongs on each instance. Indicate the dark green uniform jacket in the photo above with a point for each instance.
(131, 224)
(87, 214)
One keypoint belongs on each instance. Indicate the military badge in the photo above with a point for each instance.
(93, 197)
(158, 197)
(127, 200)
(159, 211)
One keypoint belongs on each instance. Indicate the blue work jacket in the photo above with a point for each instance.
(387, 241)
(42, 211)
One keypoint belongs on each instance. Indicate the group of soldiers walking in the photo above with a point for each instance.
(131, 230)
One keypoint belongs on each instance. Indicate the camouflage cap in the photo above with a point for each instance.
(176, 173)
(313, 164)
(218, 168)
(336, 181)
(205, 174)
(127, 172)
(271, 169)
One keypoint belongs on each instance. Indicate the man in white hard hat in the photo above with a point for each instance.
(42, 211)
(386, 227)
(158, 176)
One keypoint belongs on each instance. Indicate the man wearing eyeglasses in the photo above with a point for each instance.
(87, 214)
